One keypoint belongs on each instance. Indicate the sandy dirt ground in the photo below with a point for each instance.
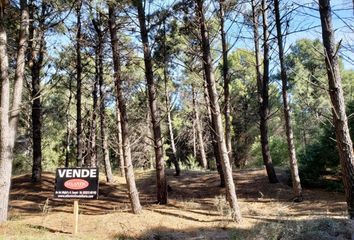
(196, 210)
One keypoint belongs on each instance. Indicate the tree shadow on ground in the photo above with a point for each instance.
(30, 198)
(194, 192)
(47, 229)
(318, 229)
(195, 200)
(251, 186)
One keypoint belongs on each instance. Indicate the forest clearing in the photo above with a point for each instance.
(196, 210)
(176, 119)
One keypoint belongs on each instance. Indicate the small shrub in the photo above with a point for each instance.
(190, 163)
(321, 157)
(318, 159)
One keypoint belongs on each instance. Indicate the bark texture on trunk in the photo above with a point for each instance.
(340, 120)
(104, 138)
(263, 88)
(130, 178)
(68, 127)
(10, 105)
(195, 141)
(168, 108)
(120, 141)
(199, 131)
(216, 115)
(36, 61)
(148, 136)
(92, 149)
(173, 145)
(170, 128)
(226, 78)
(214, 142)
(5, 151)
(79, 145)
(287, 114)
(155, 114)
(67, 144)
(105, 152)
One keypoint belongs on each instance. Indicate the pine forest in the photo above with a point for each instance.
(176, 119)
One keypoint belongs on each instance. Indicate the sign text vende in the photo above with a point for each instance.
(76, 183)
(77, 172)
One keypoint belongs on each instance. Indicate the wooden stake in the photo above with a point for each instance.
(76, 216)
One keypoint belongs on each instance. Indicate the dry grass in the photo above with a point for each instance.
(196, 210)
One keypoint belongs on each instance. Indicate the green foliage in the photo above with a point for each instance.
(348, 85)
(22, 163)
(245, 105)
(308, 88)
(243, 101)
(314, 160)
(308, 83)
(312, 112)
(278, 149)
(190, 163)
(321, 157)
(54, 130)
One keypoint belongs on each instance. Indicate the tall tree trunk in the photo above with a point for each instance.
(195, 142)
(67, 144)
(226, 78)
(155, 114)
(105, 149)
(199, 130)
(104, 138)
(79, 148)
(133, 192)
(170, 130)
(120, 141)
(149, 135)
(86, 126)
(168, 108)
(36, 61)
(287, 114)
(216, 115)
(214, 143)
(340, 120)
(104, 145)
(93, 128)
(9, 117)
(263, 87)
(5, 150)
(68, 130)
(36, 124)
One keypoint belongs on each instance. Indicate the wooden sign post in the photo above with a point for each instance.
(76, 183)
(76, 216)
